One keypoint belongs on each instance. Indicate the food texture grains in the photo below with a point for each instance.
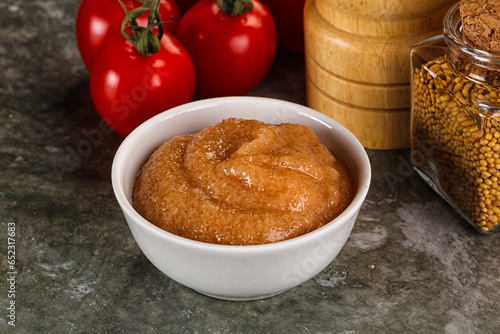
(456, 135)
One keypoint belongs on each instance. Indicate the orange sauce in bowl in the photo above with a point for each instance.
(242, 182)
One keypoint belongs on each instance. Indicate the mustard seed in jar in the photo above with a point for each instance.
(455, 131)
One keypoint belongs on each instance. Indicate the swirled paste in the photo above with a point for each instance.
(242, 182)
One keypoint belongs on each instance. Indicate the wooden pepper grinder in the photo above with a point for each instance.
(358, 63)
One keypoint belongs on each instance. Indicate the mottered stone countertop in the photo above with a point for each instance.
(411, 264)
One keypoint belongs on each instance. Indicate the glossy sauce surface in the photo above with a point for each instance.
(242, 182)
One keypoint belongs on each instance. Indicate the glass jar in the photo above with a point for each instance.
(455, 128)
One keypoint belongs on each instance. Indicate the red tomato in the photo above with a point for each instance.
(289, 18)
(127, 88)
(184, 5)
(99, 20)
(231, 54)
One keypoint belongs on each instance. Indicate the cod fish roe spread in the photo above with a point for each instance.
(242, 182)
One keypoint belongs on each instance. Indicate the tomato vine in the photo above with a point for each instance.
(143, 38)
(235, 7)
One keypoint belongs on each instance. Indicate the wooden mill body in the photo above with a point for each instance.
(358, 63)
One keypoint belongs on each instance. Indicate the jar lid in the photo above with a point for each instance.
(456, 40)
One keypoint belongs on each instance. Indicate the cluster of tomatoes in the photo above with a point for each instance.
(203, 50)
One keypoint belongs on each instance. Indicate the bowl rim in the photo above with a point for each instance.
(124, 149)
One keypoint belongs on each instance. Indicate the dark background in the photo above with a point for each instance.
(411, 264)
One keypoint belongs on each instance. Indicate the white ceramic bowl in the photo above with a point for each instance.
(238, 272)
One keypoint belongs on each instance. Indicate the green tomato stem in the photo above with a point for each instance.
(143, 39)
(235, 7)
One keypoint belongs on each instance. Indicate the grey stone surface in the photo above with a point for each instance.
(411, 264)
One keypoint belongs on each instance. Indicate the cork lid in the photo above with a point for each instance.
(481, 24)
